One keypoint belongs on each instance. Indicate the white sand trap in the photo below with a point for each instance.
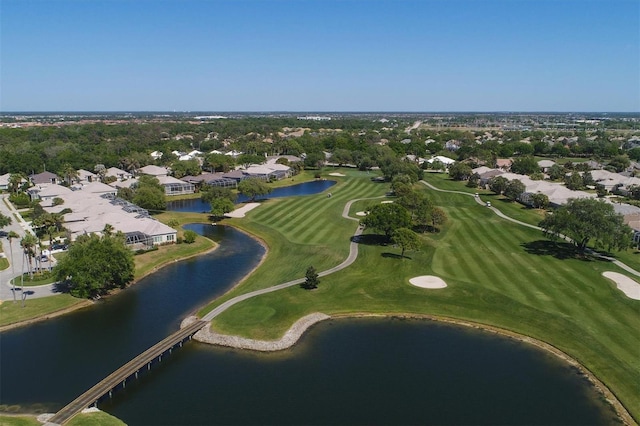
(428, 281)
(242, 210)
(625, 284)
(361, 213)
(336, 174)
(386, 202)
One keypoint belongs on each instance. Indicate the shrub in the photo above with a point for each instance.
(190, 236)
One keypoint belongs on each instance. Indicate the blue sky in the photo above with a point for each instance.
(320, 55)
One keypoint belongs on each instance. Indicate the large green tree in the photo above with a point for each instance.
(514, 189)
(406, 239)
(221, 206)
(498, 184)
(525, 165)
(585, 219)
(149, 194)
(460, 171)
(387, 218)
(94, 265)
(253, 188)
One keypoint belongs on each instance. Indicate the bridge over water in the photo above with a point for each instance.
(120, 376)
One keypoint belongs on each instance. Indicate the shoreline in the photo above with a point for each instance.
(87, 303)
(297, 330)
(241, 280)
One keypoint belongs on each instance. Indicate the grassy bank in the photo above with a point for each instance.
(499, 274)
(42, 308)
(99, 418)
(13, 313)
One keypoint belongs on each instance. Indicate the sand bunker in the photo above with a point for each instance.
(428, 281)
(242, 210)
(361, 213)
(625, 284)
(386, 202)
(336, 174)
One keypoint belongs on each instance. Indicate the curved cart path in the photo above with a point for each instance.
(353, 254)
(502, 215)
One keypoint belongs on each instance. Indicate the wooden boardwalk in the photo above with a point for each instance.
(120, 376)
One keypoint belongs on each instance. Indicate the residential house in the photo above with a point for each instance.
(44, 178)
(119, 174)
(47, 192)
(545, 165)
(85, 176)
(174, 186)
(152, 170)
(4, 181)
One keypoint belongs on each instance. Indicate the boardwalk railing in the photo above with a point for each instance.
(121, 375)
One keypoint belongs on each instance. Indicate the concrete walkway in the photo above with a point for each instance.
(20, 227)
(353, 255)
(502, 215)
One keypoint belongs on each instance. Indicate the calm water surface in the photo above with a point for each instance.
(306, 188)
(342, 372)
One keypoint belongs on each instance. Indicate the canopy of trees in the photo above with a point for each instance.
(584, 220)
(94, 265)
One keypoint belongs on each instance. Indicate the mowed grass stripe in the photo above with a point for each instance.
(523, 287)
(455, 264)
(312, 228)
(500, 239)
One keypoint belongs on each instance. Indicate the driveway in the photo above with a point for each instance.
(20, 227)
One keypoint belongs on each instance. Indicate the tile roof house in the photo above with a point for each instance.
(119, 174)
(47, 192)
(44, 178)
(90, 212)
(152, 170)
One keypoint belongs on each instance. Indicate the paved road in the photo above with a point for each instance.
(502, 215)
(21, 228)
(353, 254)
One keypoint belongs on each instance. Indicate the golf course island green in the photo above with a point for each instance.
(500, 275)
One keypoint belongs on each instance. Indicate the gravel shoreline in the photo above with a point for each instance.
(289, 339)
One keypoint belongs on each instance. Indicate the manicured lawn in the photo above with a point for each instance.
(38, 279)
(148, 262)
(303, 231)
(11, 313)
(4, 263)
(99, 418)
(499, 273)
(22, 420)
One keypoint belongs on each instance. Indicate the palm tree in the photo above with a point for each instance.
(15, 181)
(108, 229)
(28, 244)
(10, 237)
(69, 173)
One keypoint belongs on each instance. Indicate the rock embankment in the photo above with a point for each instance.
(289, 339)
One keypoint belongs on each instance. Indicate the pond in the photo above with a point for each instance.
(307, 188)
